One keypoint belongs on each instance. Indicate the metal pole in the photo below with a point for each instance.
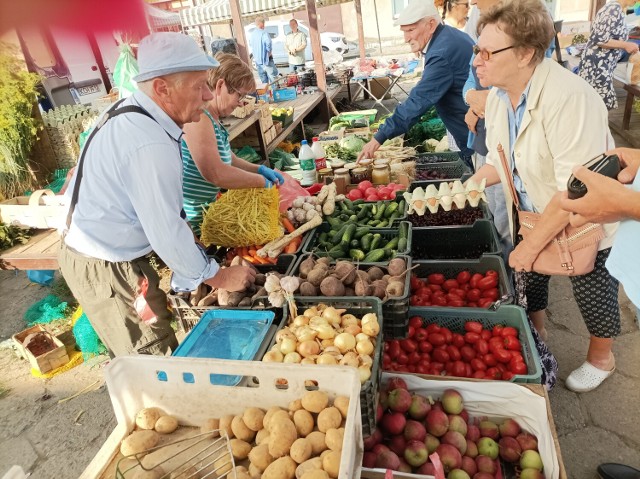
(375, 9)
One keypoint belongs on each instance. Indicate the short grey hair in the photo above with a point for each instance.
(259, 21)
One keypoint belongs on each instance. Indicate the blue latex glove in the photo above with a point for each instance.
(271, 175)
(268, 183)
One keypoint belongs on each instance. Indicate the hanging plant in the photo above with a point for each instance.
(18, 129)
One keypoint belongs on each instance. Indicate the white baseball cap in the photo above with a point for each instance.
(165, 53)
(416, 10)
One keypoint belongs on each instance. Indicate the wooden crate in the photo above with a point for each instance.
(42, 210)
(266, 122)
(44, 362)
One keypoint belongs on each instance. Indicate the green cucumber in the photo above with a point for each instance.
(356, 254)
(374, 256)
(380, 211)
(402, 245)
(382, 224)
(375, 241)
(337, 237)
(392, 243)
(348, 233)
(361, 231)
(364, 211)
(323, 237)
(391, 208)
(355, 243)
(336, 252)
(333, 222)
(366, 241)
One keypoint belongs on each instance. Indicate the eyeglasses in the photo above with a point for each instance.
(486, 54)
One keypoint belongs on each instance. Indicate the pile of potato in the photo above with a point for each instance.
(325, 335)
(303, 441)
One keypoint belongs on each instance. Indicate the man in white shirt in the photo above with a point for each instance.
(295, 43)
(126, 203)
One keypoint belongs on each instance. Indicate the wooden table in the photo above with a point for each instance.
(627, 127)
(41, 252)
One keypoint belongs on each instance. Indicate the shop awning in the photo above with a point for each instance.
(219, 11)
(159, 18)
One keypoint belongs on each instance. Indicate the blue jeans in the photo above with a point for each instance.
(267, 73)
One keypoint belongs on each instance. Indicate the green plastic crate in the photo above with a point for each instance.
(506, 315)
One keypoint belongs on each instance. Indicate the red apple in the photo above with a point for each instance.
(397, 383)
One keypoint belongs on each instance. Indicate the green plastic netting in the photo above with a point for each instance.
(48, 309)
(86, 338)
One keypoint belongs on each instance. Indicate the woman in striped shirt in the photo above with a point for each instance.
(207, 160)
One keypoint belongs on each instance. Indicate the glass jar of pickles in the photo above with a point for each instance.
(380, 175)
(342, 173)
(360, 174)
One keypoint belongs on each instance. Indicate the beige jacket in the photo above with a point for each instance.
(296, 42)
(565, 124)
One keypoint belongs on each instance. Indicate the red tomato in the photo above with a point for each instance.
(364, 185)
(422, 369)
(471, 338)
(355, 194)
(511, 343)
(518, 367)
(456, 303)
(465, 287)
(416, 322)
(479, 374)
(414, 357)
(435, 278)
(448, 335)
(435, 287)
(450, 284)
(424, 291)
(473, 327)
(459, 292)
(421, 334)
(463, 277)
(516, 356)
(384, 191)
(497, 330)
(401, 368)
(410, 332)
(415, 282)
(491, 273)
(371, 191)
(509, 331)
(478, 365)
(408, 345)
(411, 368)
(394, 348)
(474, 280)
(485, 334)
(402, 358)
(473, 294)
(492, 294)
(433, 328)
(484, 302)
(493, 373)
(416, 301)
(453, 297)
(439, 301)
(490, 360)
(472, 304)
(458, 369)
(436, 339)
(425, 346)
(467, 353)
(507, 376)
(482, 346)
(487, 282)
(373, 197)
(457, 340)
(454, 352)
(502, 355)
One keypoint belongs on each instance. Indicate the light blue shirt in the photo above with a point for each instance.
(624, 259)
(131, 196)
(260, 46)
(515, 120)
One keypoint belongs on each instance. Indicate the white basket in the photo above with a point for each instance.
(43, 209)
(182, 388)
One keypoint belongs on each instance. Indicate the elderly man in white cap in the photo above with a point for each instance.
(446, 52)
(126, 204)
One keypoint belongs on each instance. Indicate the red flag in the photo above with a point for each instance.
(80, 15)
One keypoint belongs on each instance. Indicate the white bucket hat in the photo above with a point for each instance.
(165, 53)
(415, 11)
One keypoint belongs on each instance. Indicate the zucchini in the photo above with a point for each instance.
(374, 256)
(356, 254)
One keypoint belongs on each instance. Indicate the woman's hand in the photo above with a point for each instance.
(272, 176)
(477, 100)
(522, 257)
(471, 119)
(631, 47)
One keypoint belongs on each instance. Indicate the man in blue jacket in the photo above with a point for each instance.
(447, 52)
(261, 48)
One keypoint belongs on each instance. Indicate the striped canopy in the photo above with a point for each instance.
(219, 11)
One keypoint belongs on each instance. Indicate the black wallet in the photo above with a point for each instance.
(607, 165)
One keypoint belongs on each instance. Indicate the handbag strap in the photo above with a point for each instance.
(111, 113)
(508, 173)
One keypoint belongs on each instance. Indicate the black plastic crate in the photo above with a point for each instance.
(448, 170)
(310, 246)
(437, 157)
(454, 217)
(369, 390)
(456, 242)
(396, 323)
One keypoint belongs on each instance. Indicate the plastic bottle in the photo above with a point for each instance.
(307, 164)
(320, 155)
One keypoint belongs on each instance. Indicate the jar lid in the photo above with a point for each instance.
(337, 164)
(358, 171)
(381, 161)
(341, 171)
(351, 166)
(380, 167)
(324, 171)
(366, 161)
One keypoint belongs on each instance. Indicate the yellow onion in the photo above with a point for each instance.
(365, 347)
(353, 329)
(284, 333)
(311, 312)
(309, 360)
(326, 358)
(348, 320)
(292, 358)
(325, 331)
(369, 317)
(273, 357)
(326, 343)
(372, 328)
(308, 348)
(318, 321)
(332, 314)
(305, 333)
(365, 374)
(331, 350)
(344, 342)
(350, 359)
(365, 360)
(300, 321)
(361, 337)
(288, 345)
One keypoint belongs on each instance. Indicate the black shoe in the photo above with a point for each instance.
(612, 470)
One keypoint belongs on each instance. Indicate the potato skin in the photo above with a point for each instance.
(282, 468)
(304, 422)
(211, 425)
(329, 418)
(240, 429)
(315, 474)
(147, 417)
(260, 457)
(283, 435)
(334, 439)
(253, 418)
(315, 401)
(262, 436)
(318, 442)
(331, 464)
(300, 450)
(267, 417)
(139, 441)
(310, 465)
(155, 473)
(342, 403)
(166, 424)
(225, 424)
(239, 448)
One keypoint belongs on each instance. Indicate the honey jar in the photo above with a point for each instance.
(381, 175)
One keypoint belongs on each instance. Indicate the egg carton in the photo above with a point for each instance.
(420, 200)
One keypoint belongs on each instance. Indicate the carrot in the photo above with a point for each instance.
(291, 247)
(259, 260)
(252, 251)
(287, 224)
(271, 260)
(244, 251)
(250, 259)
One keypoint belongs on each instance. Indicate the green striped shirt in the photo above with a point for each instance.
(198, 193)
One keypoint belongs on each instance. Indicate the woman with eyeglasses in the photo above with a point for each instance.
(455, 13)
(547, 120)
(207, 160)
(608, 42)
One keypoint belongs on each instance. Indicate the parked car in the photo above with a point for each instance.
(278, 30)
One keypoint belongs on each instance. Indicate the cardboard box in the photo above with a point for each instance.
(284, 94)
(330, 137)
(46, 361)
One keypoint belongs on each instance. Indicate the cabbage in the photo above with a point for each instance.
(352, 143)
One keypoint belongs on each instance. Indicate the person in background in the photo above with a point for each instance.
(471, 27)
(607, 43)
(295, 43)
(262, 52)
(207, 160)
(455, 13)
(548, 120)
(126, 202)
(447, 52)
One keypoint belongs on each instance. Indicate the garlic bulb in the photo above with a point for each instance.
(277, 299)
(272, 283)
(289, 284)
